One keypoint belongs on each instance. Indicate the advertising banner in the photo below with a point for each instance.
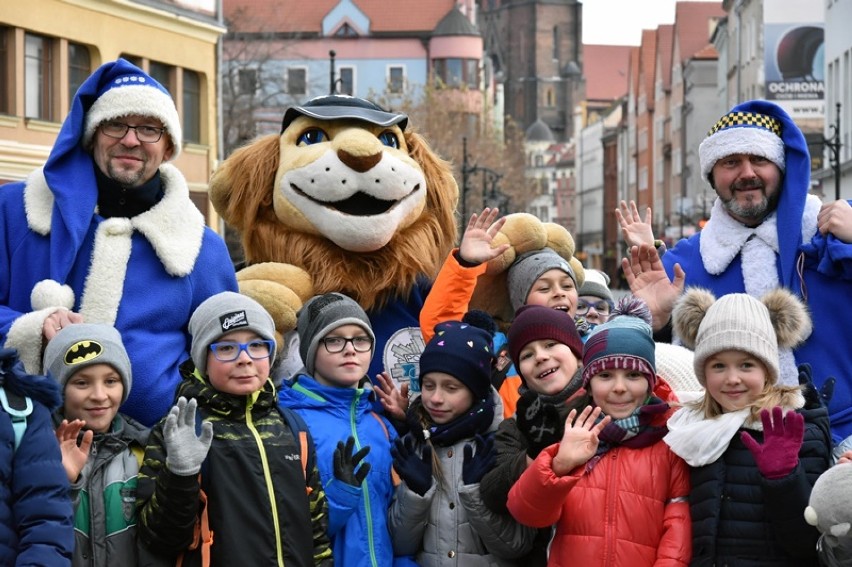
(794, 59)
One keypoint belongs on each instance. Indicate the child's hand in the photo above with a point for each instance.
(580, 440)
(415, 470)
(345, 463)
(74, 457)
(185, 451)
(782, 439)
(394, 401)
(845, 458)
(475, 246)
(476, 465)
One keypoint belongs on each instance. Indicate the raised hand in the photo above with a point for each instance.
(185, 451)
(475, 246)
(74, 456)
(414, 469)
(634, 230)
(345, 463)
(580, 440)
(814, 398)
(782, 439)
(648, 281)
(477, 464)
(395, 401)
(836, 218)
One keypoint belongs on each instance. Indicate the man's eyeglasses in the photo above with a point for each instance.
(145, 134)
(361, 343)
(601, 306)
(229, 351)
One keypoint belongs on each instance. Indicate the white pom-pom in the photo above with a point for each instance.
(51, 293)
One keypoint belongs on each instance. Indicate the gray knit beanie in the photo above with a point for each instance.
(320, 316)
(84, 344)
(737, 322)
(597, 285)
(530, 266)
(223, 313)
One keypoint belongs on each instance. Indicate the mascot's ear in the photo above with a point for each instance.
(242, 186)
(811, 516)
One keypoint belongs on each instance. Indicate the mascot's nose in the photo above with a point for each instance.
(359, 163)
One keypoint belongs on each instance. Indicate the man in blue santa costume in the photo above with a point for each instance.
(765, 230)
(106, 232)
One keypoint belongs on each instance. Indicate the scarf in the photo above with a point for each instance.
(700, 441)
(634, 431)
(476, 420)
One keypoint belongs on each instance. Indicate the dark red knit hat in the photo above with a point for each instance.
(536, 322)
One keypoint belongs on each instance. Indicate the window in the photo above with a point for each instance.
(38, 86)
(347, 81)
(162, 74)
(396, 80)
(346, 31)
(454, 73)
(555, 42)
(191, 106)
(79, 67)
(296, 81)
(247, 81)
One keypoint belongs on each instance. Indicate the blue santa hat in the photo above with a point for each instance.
(115, 89)
(763, 128)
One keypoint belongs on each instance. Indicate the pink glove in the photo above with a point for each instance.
(782, 439)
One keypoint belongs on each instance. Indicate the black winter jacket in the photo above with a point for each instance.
(254, 483)
(740, 518)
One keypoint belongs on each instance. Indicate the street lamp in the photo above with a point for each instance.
(333, 81)
(489, 175)
(833, 144)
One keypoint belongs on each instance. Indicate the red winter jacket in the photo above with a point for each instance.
(631, 510)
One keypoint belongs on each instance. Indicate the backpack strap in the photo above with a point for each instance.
(202, 535)
(306, 441)
(19, 408)
(394, 476)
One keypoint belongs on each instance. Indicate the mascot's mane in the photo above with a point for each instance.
(371, 278)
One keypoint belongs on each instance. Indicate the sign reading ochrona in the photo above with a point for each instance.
(794, 39)
(401, 357)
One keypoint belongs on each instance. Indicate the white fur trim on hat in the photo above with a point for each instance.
(740, 140)
(135, 99)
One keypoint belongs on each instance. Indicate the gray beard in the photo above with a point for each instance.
(753, 211)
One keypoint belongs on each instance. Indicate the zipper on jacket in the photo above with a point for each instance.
(268, 478)
(612, 496)
(353, 422)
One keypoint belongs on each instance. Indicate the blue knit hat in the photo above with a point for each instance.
(462, 351)
(625, 341)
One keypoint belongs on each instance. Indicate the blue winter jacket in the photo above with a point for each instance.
(357, 516)
(36, 518)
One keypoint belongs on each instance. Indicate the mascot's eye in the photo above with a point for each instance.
(311, 137)
(389, 139)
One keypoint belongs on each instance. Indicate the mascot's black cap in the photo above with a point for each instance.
(334, 107)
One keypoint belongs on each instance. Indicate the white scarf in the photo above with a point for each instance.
(700, 441)
(724, 237)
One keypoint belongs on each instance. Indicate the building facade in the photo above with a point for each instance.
(49, 47)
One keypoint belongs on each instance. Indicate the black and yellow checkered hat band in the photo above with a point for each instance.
(752, 119)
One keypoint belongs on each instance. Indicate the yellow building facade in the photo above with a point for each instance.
(48, 47)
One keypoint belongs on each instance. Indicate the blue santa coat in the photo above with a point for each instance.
(47, 232)
(824, 283)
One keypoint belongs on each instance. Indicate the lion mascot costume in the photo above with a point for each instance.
(348, 198)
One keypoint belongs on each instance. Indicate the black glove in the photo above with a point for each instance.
(476, 465)
(540, 424)
(415, 470)
(345, 463)
(814, 398)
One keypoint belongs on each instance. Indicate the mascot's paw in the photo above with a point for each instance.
(523, 232)
(280, 288)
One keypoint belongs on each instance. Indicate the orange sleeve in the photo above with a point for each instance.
(450, 294)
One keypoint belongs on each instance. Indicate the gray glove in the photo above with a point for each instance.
(185, 451)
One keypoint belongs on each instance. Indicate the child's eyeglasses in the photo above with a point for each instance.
(361, 343)
(228, 351)
(601, 306)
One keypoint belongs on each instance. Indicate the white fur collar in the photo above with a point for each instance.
(174, 226)
(723, 237)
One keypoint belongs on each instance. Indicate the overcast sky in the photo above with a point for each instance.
(620, 22)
